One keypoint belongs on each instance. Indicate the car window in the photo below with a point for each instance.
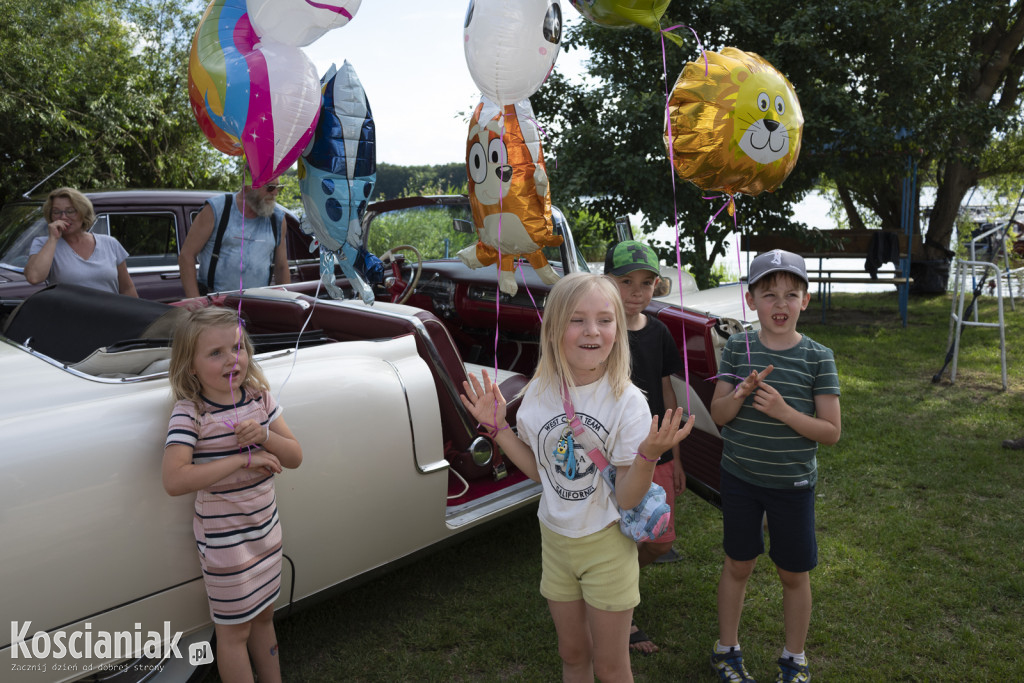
(151, 239)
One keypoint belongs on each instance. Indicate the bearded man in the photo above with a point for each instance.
(235, 251)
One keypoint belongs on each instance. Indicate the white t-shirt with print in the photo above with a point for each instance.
(576, 500)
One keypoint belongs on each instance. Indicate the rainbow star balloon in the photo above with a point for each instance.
(250, 95)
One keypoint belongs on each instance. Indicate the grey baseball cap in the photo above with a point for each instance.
(774, 261)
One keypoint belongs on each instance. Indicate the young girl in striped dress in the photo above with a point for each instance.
(225, 442)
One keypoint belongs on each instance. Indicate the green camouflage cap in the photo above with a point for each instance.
(625, 257)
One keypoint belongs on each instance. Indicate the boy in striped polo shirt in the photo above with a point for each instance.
(776, 399)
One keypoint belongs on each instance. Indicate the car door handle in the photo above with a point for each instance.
(170, 276)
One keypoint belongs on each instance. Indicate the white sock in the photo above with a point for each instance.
(800, 658)
(722, 649)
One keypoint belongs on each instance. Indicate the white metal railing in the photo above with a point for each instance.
(978, 273)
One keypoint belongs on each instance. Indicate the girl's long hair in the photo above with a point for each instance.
(561, 303)
(184, 383)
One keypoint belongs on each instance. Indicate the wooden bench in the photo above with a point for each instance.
(833, 244)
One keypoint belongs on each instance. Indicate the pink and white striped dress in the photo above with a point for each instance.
(236, 525)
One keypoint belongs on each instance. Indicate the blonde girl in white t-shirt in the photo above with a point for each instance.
(590, 572)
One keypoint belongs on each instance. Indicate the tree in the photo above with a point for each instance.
(880, 85)
(104, 81)
(931, 83)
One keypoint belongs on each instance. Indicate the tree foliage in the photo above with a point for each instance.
(106, 81)
(880, 84)
(399, 181)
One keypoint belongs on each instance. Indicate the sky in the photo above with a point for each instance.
(409, 56)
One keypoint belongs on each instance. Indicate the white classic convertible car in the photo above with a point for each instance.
(100, 575)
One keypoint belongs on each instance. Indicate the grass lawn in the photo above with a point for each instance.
(921, 576)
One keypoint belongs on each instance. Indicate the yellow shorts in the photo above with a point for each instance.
(601, 569)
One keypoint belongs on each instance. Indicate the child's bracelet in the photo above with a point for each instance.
(646, 458)
(266, 435)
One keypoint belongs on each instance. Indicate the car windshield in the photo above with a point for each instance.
(440, 231)
(428, 228)
(19, 225)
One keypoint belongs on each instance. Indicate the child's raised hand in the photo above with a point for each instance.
(666, 434)
(250, 433)
(753, 380)
(485, 402)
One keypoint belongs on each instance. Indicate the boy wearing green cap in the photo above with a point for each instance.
(655, 358)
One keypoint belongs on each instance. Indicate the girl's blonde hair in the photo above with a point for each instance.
(562, 302)
(78, 200)
(184, 383)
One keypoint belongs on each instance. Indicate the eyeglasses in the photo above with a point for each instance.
(272, 188)
(70, 213)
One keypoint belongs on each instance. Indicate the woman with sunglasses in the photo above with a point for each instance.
(238, 240)
(71, 254)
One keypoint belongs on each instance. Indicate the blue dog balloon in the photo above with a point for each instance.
(337, 172)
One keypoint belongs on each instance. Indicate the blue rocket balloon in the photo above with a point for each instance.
(337, 172)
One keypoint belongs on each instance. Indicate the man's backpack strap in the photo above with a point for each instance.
(225, 216)
(274, 227)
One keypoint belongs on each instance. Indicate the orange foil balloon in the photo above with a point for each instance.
(508, 192)
(736, 128)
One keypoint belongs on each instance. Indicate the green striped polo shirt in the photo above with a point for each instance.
(762, 450)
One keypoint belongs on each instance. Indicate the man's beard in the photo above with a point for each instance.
(262, 204)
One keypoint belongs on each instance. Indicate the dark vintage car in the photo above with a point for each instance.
(394, 465)
(149, 224)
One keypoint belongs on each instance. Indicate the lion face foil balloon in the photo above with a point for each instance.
(736, 129)
(508, 192)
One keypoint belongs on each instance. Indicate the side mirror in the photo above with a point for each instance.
(463, 226)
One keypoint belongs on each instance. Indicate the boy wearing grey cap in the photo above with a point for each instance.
(770, 433)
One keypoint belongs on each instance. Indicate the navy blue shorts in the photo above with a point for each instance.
(793, 546)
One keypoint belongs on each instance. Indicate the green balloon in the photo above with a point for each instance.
(623, 13)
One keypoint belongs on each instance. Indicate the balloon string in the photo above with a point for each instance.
(696, 37)
(739, 266)
(730, 202)
(241, 255)
(545, 134)
(497, 285)
(724, 374)
(519, 266)
(675, 214)
(295, 358)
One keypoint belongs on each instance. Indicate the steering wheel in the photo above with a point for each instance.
(400, 292)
